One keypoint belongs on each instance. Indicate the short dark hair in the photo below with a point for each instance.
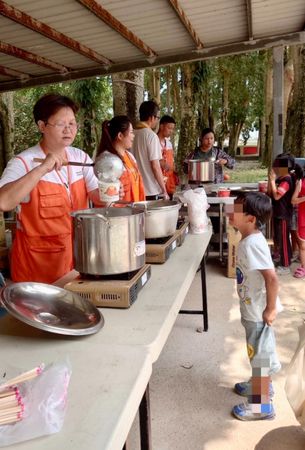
(284, 160)
(148, 109)
(49, 104)
(256, 204)
(206, 131)
(167, 119)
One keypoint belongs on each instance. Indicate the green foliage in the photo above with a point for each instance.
(94, 97)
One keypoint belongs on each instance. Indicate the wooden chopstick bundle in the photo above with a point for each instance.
(11, 401)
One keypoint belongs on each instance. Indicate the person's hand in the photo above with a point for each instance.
(221, 161)
(165, 196)
(272, 175)
(123, 190)
(269, 315)
(53, 162)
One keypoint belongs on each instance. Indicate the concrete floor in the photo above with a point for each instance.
(191, 386)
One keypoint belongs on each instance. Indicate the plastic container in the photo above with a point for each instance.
(263, 186)
(223, 192)
(109, 190)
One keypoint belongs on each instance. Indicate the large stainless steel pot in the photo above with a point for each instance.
(108, 241)
(201, 171)
(161, 217)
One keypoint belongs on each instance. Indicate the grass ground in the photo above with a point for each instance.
(247, 172)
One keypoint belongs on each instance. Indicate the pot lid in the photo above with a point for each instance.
(51, 308)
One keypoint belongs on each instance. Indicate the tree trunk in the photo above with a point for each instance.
(294, 141)
(234, 136)
(225, 109)
(168, 89)
(188, 131)
(128, 93)
(267, 132)
(288, 83)
(6, 128)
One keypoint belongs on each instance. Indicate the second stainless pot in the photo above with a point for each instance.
(108, 241)
(161, 217)
(201, 171)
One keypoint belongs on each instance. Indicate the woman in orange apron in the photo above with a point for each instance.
(117, 138)
(46, 193)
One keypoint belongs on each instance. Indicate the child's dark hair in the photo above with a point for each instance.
(284, 160)
(256, 204)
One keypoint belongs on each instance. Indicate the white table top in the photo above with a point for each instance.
(110, 369)
(150, 319)
(218, 200)
(104, 393)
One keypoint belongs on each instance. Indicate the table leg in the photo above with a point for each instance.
(221, 232)
(145, 421)
(204, 294)
(204, 310)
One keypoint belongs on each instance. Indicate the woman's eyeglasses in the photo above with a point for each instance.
(62, 126)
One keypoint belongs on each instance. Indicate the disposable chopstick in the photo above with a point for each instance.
(9, 401)
(9, 392)
(67, 163)
(23, 377)
(11, 411)
(11, 419)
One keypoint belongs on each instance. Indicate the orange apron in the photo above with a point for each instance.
(168, 158)
(131, 180)
(42, 248)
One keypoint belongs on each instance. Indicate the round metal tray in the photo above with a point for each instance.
(51, 308)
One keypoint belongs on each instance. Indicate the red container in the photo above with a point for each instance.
(223, 192)
(263, 186)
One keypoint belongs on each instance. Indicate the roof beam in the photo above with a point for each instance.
(206, 53)
(35, 25)
(17, 52)
(186, 22)
(117, 26)
(13, 73)
(249, 19)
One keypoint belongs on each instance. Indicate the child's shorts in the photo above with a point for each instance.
(301, 233)
(264, 342)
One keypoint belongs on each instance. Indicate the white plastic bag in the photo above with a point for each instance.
(45, 399)
(197, 205)
(295, 380)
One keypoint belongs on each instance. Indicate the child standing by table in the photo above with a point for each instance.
(298, 199)
(280, 188)
(257, 287)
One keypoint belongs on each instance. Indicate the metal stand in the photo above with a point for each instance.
(145, 421)
(204, 310)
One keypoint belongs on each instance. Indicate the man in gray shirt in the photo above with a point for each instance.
(147, 151)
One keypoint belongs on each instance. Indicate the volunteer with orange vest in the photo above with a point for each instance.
(117, 138)
(46, 193)
(166, 128)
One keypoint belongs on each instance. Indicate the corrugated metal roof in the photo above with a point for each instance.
(54, 40)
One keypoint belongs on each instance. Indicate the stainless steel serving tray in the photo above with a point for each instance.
(51, 308)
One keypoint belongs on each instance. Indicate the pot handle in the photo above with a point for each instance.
(99, 216)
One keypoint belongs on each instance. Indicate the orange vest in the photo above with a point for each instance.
(42, 248)
(131, 180)
(168, 158)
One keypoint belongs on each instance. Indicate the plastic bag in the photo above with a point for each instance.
(197, 205)
(45, 399)
(295, 380)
